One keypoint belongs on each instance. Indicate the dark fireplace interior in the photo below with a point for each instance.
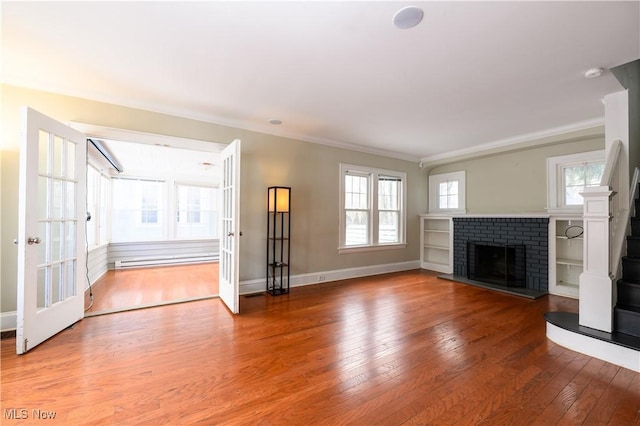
(496, 264)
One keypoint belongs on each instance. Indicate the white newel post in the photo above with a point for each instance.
(596, 282)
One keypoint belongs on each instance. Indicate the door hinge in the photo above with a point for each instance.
(24, 349)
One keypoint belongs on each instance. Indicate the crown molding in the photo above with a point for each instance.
(587, 129)
(211, 119)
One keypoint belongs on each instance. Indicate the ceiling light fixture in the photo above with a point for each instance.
(275, 121)
(594, 72)
(408, 17)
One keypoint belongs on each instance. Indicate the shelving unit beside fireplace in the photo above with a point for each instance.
(436, 243)
(565, 251)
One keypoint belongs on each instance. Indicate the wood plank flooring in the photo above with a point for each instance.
(128, 288)
(396, 349)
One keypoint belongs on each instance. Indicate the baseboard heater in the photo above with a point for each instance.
(179, 259)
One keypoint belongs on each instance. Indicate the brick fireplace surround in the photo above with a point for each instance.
(531, 232)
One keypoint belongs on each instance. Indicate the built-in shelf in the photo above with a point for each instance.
(570, 262)
(436, 247)
(565, 255)
(436, 240)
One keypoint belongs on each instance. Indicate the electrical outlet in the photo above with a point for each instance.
(321, 277)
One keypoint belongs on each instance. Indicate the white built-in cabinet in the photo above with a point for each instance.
(565, 250)
(436, 243)
(565, 255)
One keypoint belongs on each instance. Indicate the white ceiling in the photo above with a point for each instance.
(146, 160)
(471, 74)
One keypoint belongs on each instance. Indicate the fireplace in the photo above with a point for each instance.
(532, 233)
(501, 264)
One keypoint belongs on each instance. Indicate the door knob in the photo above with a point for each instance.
(33, 240)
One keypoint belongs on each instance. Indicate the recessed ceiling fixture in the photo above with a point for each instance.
(275, 121)
(408, 17)
(594, 72)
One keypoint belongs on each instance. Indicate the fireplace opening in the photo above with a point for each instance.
(496, 264)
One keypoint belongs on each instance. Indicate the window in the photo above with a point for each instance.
(98, 186)
(372, 204)
(103, 210)
(447, 192)
(196, 212)
(149, 203)
(389, 209)
(569, 175)
(138, 210)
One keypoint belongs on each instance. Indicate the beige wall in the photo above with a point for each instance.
(516, 182)
(310, 169)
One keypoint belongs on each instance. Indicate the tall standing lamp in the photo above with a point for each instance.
(278, 239)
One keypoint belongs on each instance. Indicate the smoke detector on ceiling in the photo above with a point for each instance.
(408, 17)
(594, 72)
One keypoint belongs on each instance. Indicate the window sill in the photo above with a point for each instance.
(447, 211)
(360, 249)
(566, 210)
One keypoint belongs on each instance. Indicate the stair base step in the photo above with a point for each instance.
(616, 348)
(626, 319)
(628, 293)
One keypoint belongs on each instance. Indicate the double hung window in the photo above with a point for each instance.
(372, 204)
(98, 193)
(569, 175)
(138, 210)
(196, 211)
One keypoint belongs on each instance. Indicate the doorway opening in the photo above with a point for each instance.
(152, 228)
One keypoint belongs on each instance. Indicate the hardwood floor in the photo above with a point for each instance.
(129, 288)
(403, 348)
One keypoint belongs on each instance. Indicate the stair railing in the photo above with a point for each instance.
(618, 211)
(618, 240)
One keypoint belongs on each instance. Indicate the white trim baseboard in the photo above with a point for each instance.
(258, 285)
(609, 352)
(8, 321)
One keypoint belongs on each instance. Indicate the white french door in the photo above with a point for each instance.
(229, 284)
(51, 229)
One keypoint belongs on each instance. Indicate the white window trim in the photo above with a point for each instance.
(96, 216)
(555, 193)
(174, 203)
(373, 210)
(434, 184)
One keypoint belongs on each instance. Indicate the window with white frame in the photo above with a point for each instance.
(447, 192)
(196, 212)
(373, 208)
(389, 209)
(98, 192)
(569, 175)
(104, 209)
(138, 210)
